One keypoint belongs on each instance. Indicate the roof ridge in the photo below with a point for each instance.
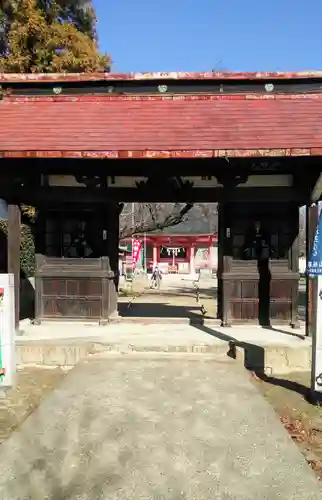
(172, 75)
(242, 96)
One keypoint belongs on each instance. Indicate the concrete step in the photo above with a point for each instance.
(66, 353)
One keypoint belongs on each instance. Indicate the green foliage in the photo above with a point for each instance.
(45, 36)
(27, 248)
(28, 213)
(27, 252)
(80, 13)
(36, 41)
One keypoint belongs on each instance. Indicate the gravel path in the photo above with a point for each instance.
(166, 428)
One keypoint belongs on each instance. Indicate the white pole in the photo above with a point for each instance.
(315, 268)
(316, 372)
(133, 226)
(7, 331)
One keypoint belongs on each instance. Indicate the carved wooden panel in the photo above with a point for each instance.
(245, 289)
(72, 308)
(249, 289)
(252, 301)
(85, 287)
(75, 289)
(244, 310)
(54, 286)
(281, 310)
(280, 289)
(236, 310)
(259, 262)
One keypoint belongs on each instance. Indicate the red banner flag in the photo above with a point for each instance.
(136, 247)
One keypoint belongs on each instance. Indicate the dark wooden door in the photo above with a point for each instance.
(262, 281)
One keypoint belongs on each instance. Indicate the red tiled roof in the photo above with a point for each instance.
(161, 126)
(173, 75)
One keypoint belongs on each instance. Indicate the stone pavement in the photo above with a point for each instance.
(275, 351)
(160, 428)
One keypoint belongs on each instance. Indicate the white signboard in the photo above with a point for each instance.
(316, 383)
(7, 331)
(174, 251)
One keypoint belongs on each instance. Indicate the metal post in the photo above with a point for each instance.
(7, 331)
(316, 372)
(311, 223)
(133, 226)
(315, 272)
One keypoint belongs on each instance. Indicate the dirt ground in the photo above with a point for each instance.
(175, 298)
(301, 419)
(17, 404)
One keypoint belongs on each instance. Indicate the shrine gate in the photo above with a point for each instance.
(77, 146)
(177, 253)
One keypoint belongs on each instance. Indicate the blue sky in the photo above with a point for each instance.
(199, 35)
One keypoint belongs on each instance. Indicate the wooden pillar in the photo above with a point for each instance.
(110, 255)
(224, 264)
(14, 219)
(225, 230)
(113, 241)
(40, 252)
(220, 243)
(294, 257)
(311, 222)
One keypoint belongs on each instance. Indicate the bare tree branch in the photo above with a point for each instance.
(148, 217)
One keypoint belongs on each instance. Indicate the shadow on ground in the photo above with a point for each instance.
(254, 355)
(254, 359)
(290, 385)
(162, 310)
(207, 293)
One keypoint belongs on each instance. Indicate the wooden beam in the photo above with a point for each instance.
(110, 250)
(48, 196)
(14, 254)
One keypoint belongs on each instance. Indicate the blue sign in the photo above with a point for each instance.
(314, 265)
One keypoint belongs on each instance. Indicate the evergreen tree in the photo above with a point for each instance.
(47, 38)
(80, 13)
